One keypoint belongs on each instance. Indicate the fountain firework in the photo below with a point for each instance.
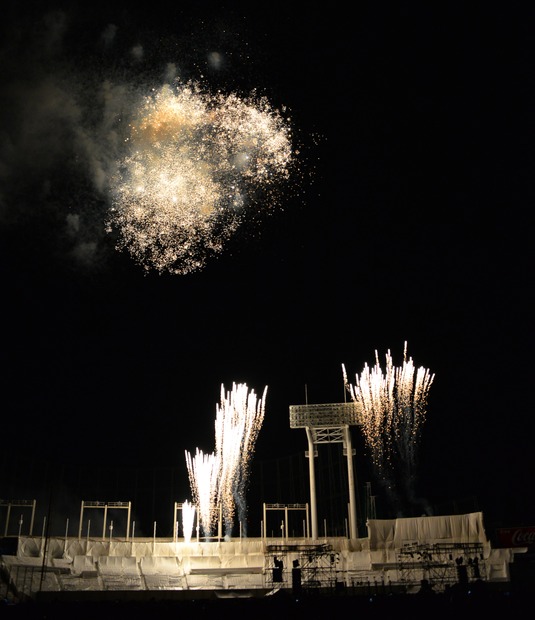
(219, 480)
(203, 472)
(188, 519)
(393, 405)
(238, 422)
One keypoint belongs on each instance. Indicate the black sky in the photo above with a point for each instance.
(409, 220)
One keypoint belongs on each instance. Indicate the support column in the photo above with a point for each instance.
(175, 532)
(34, 503)
(312, 477)
(353, 530)
(105, 519)
(7, 518)
(128, 521)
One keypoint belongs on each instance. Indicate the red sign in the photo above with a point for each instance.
(517, 537)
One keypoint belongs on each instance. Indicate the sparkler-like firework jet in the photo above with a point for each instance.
(188, 519)
(393, 406)
(238, 422)
(203, 472)
(219, 480)
(194, 163)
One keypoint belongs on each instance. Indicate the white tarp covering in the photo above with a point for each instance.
(83, 564)
(162, 573)
(395, 533)
(160, 566)
(116, 564)
(120, 573)
(156, 564)
(498, 562)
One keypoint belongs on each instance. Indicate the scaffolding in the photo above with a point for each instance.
(284, 524)
(312, 566)
(19, 503)
(105, 506)
(441, 564)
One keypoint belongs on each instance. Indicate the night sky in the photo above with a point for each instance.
(406, 219)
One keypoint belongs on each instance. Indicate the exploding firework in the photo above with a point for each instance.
(195, 164)
(393, 403)
(144, 155)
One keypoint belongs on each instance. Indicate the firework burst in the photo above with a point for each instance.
(194, 164)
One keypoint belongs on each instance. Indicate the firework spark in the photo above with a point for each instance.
(188, 519)
(393, 405)
(219, 480)
(195, 162)
(238, 422)
(203, 472)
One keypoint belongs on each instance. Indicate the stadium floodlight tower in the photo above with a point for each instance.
(328, 423)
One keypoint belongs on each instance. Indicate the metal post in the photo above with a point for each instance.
(81, 520)
(351, 482)
(65, 541)
(128, 521)
(43, 536)
(104, 524)
(7, 518)
(33, 516)
(312, 477)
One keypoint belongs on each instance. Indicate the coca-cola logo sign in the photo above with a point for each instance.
(523, 537)
(517, 537)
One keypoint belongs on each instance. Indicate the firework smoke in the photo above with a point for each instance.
(393, 405)
(112, 152)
